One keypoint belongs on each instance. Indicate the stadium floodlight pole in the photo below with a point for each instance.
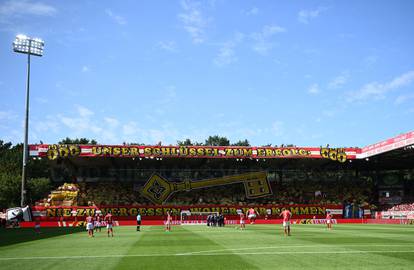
(30, 46)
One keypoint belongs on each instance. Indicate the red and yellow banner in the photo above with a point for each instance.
(55, 151)
(159, 212)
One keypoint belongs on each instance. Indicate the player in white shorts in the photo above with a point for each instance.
(329, 220)
(242, 221)
(168, 222)
(109, 223)
(89, 225)
(251, 215)
(286, 221)
(98, 220)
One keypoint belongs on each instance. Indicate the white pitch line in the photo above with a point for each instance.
(204, 254)
(299, 246)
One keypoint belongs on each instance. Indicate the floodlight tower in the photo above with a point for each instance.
(30, 46)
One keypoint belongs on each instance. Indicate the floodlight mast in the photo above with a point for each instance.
(30, 46)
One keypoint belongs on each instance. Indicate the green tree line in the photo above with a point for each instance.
(38, 183)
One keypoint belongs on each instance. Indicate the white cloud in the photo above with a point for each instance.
(262, 40)
(304, 16)
(193, 20)
(169, 46)
(314, 89)
(83, 111)
(268, 31)
(252, 12)
(370, 61)
(48, 124)
(131, 132)
(130, 128)
(338, 81)
(116, 18)
(7, 115)
(111, 122)
(23, 7)
(403, 98)
(227, 53)
(375, 90)
(82, 123)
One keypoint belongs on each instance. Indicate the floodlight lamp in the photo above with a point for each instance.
(27, 45)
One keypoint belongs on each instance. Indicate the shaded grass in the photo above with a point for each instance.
(21, 235)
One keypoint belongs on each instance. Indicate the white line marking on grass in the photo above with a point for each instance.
(203, 254)
(298, 246)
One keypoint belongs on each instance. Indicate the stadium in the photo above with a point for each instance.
(368, 192)
(351, 182)
(193, 134)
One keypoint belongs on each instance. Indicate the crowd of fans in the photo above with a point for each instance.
(120, 182)
(402, 207)
(289, 192)
(63, 195)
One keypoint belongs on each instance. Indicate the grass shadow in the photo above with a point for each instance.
(21, 235)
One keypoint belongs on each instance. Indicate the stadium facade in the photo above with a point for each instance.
(125, 179)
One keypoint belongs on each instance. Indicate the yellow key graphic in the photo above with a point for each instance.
(158, 189)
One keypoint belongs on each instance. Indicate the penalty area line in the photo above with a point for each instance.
(297, 246)
(201, 254)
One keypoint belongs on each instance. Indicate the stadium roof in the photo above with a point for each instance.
(390, 149)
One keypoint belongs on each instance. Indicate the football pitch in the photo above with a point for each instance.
(199, 247)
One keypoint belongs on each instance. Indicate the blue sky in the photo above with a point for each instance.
(301, 72)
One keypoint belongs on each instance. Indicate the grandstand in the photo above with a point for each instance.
(354, 182)
(361, 187)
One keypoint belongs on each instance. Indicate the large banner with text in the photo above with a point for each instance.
(55, 151)
(159, 212)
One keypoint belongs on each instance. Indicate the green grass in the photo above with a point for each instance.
(199, 247)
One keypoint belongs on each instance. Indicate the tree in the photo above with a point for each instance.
(242, 143)
(133, 143)
(10, 176)
(38, 188)
(186, 142)
(68, 140)
(9, 190)
(217, 141)
(11, 158)
(4, 146)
